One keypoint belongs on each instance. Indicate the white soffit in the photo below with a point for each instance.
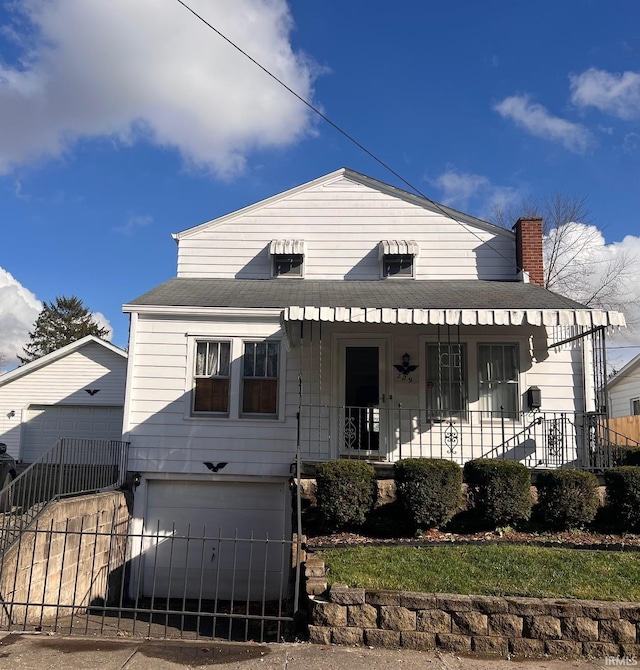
(586, 318)
(398, 248)
(286, 247)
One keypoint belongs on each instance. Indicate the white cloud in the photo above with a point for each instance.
(19, 308)
(144, 69)
(610, 92)
(464, 190)
(536, 119)
(134, 222)
(458, 188)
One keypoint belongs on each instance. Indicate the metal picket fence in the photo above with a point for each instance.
(97, 576)
(70, 467)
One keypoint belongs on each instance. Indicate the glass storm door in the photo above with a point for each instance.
(363, 397)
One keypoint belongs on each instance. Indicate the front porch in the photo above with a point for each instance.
(383, 384)
(538, 439)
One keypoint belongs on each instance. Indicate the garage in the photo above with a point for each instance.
(216, 540)
(46, 424)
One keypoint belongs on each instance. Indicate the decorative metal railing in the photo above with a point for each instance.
(538, 439)
(70, 467)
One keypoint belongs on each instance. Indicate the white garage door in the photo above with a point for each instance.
(46, 424)
(220, 559)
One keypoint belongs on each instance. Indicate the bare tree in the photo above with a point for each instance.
(577, 261)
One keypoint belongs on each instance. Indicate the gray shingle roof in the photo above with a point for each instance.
(400, 294)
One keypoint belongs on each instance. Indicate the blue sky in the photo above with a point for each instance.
(122, 122)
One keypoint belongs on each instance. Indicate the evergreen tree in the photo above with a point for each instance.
(59, 324)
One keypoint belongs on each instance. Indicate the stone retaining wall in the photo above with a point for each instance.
(70, 557)
(475, 624)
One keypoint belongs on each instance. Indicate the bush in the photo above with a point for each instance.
(499, 491)
(428, 489)
(346, 492)
(567, 498)
(623, 496)
(630, 456)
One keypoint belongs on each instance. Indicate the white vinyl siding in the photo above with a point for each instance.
(166, 436)
(624, 393)
(342, 223)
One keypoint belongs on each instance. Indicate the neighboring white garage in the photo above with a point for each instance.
(46, 424)
(77, 392)
(220, 518)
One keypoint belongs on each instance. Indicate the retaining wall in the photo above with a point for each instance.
(67, 560)
(504, 626)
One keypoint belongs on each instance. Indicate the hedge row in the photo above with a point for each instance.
(498, 491)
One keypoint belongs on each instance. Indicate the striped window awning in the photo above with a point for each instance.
(398, 248)
(286, 247)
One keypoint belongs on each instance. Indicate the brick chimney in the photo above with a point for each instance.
(529, 248)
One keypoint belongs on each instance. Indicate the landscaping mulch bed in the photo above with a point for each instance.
(574, 539)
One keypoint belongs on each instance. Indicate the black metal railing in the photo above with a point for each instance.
(70, 467)
(539, 439)
(98, 576)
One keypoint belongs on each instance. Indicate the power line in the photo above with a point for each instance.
(345, 134)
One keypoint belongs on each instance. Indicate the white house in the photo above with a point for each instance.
(624, 390)
(348, 318)
(76, 392)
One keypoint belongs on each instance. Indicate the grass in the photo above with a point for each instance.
(490, 570)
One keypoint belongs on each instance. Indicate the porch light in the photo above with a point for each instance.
(534, 397)
(405, 368)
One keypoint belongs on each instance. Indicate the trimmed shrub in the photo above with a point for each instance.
(499, 491)
(630, 456)
(567, 498)
(429, 490)
(346, 492)
(623, 496)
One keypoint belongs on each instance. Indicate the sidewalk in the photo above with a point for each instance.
(51, 652)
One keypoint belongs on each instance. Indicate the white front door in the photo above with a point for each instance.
(362, 429)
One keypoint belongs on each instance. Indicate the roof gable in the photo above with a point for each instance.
(357, 178)
(56, 355)
(632, 366)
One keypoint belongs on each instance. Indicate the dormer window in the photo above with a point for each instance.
(397, 258)
(287, 258)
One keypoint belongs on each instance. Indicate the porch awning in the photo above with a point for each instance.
(585, 318)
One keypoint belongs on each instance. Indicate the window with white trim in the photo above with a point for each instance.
(212, 377)
(498, 372)
(635, 407)
(446, 390)
(260, 364)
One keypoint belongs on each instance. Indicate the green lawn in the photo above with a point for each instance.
(490, 570)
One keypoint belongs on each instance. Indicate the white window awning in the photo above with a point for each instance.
(398, 248)
(585, 318)
(286, 247)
